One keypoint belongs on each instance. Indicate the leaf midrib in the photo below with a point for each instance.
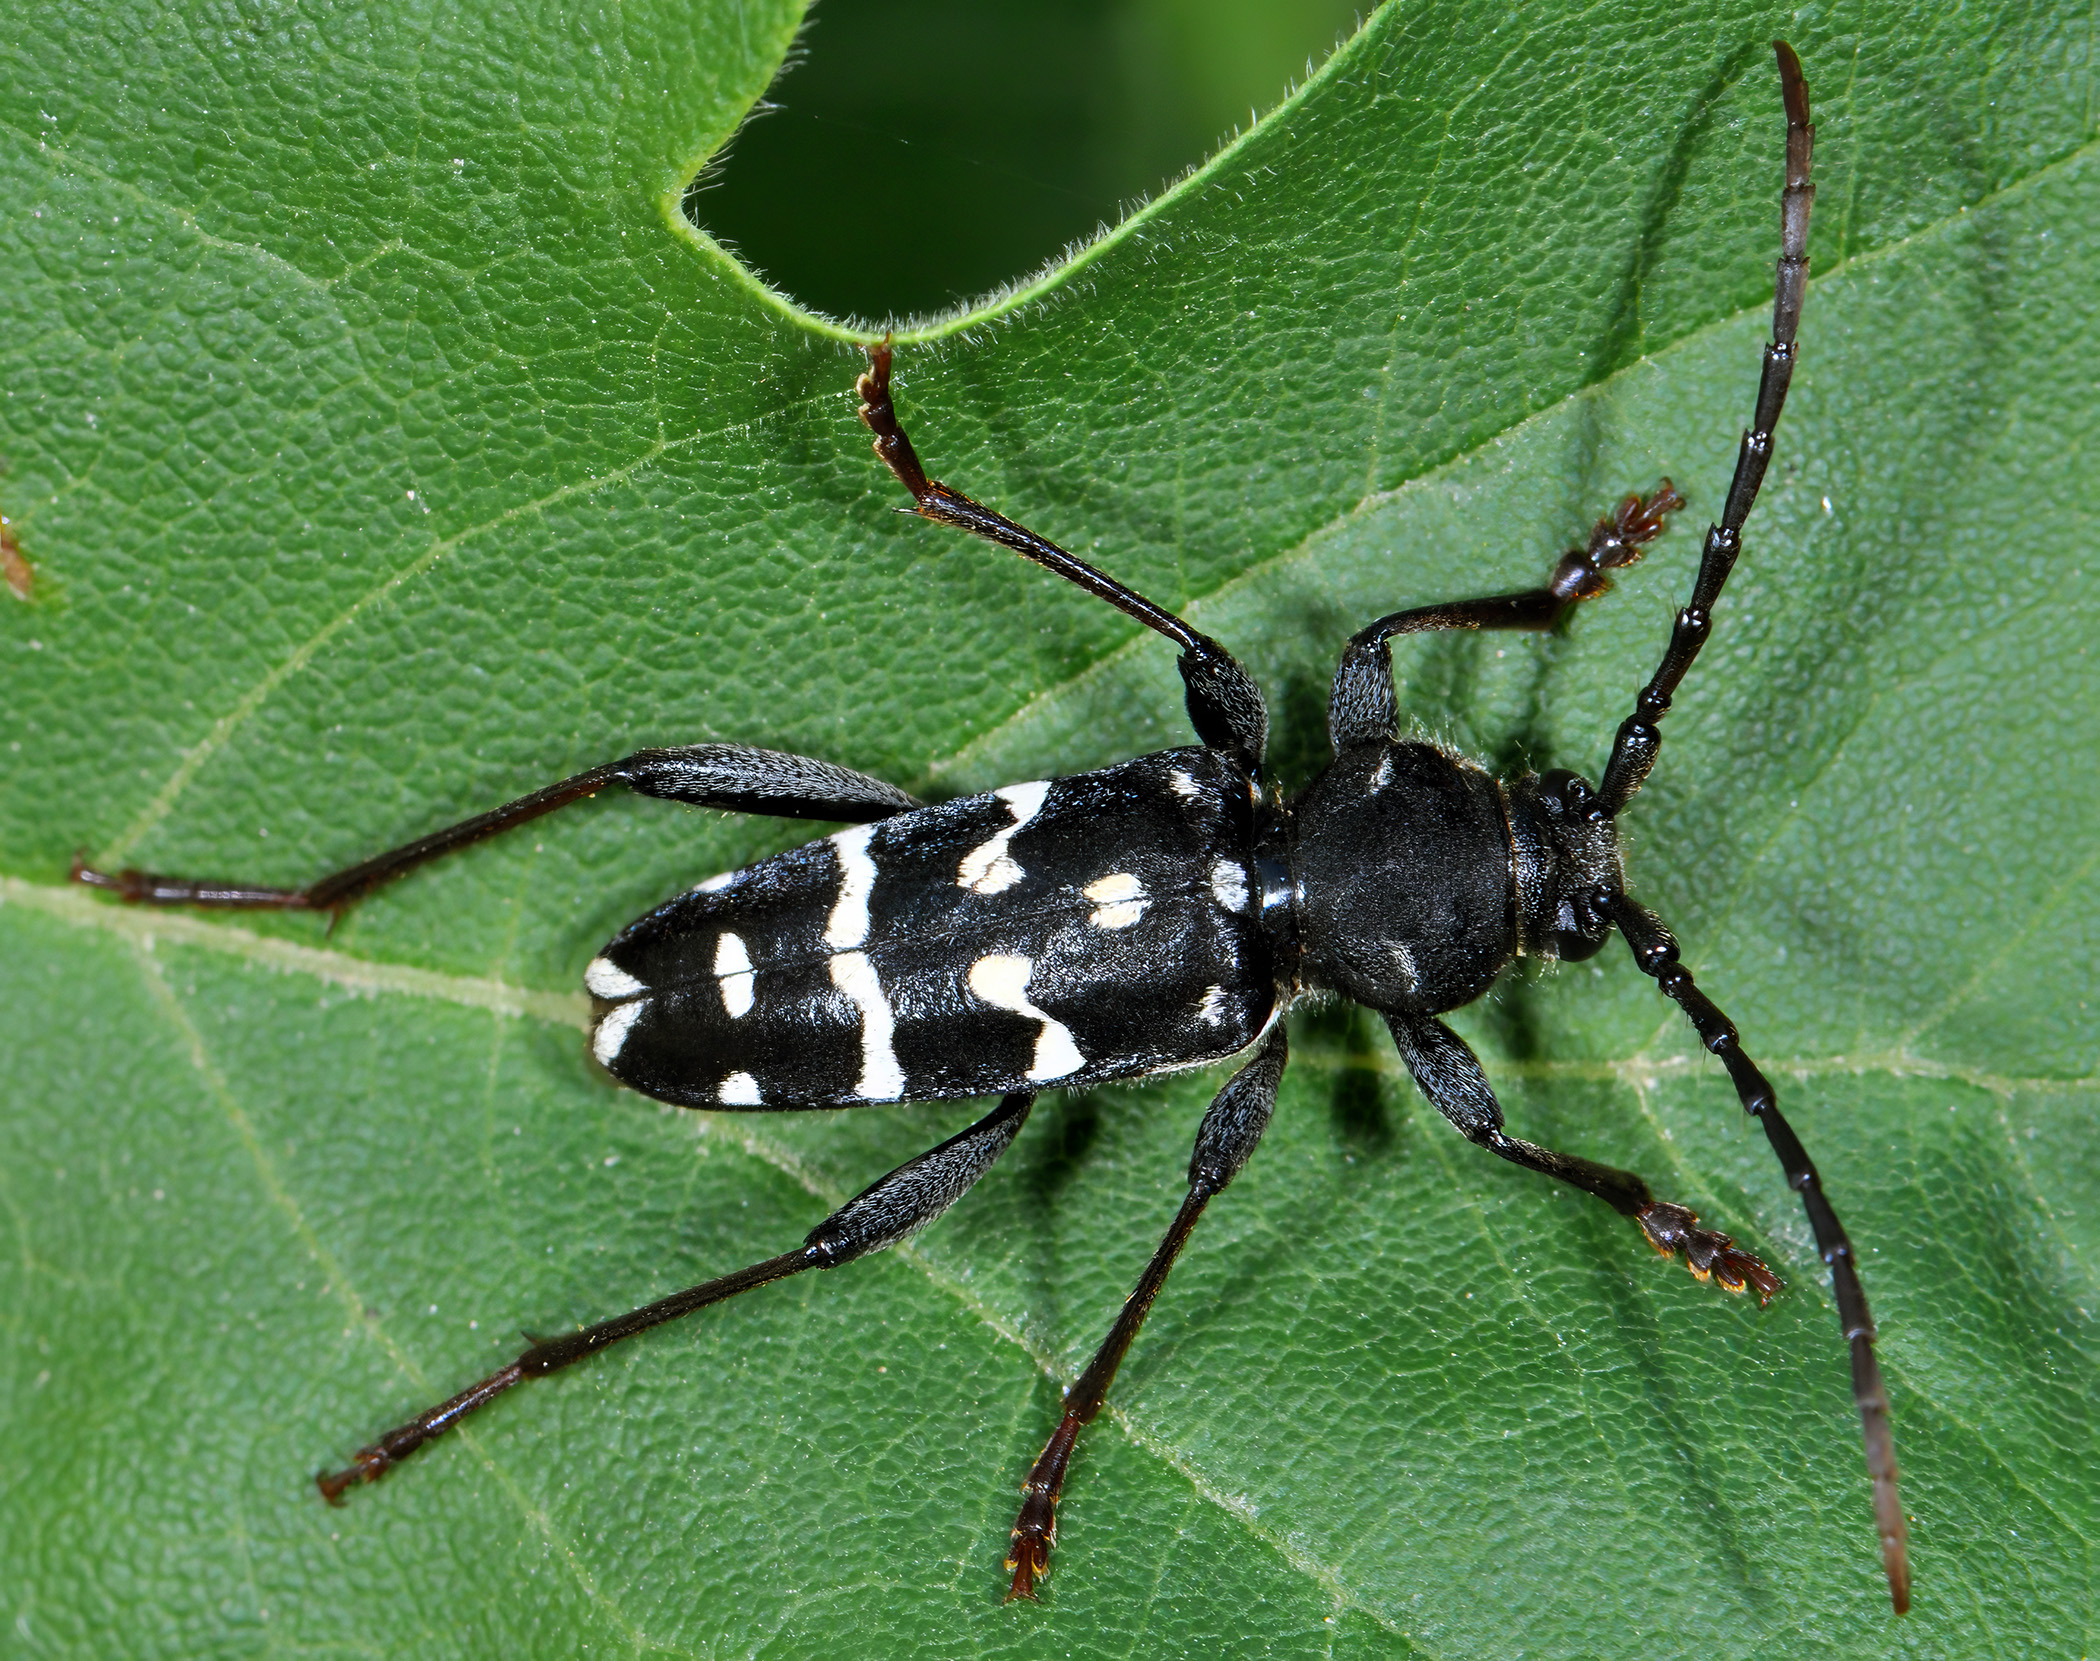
(80, 909)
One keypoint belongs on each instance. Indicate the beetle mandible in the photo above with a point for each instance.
(1155, 915)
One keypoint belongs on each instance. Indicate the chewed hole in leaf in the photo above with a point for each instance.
(915, 155)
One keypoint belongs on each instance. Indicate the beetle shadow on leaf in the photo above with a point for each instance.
(1285, 1212)
(1298, 745)
(1526, 744)
(1437, 686)
(1511, 1012)
(1357, 1093)
(1651, 1315)
(1066, 1126)
(1618, 343)
(1704, 1492)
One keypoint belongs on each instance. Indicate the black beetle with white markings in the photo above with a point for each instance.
(1156, 915)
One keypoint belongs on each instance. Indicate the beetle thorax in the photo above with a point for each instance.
(1404, 895)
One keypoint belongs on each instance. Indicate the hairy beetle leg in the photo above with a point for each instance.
(1708, 1253)
(1363, 708)
(1238, 1115)
(1224, 704)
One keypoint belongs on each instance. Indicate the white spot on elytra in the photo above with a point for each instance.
(1380, 778)
(608, 980)
(988, 868)
(1212, 1008)
(1119, 900)
(612, 1031)
(739, 1090)
(881, 1078)
(1228, 883)
(849, 915)
(733, 964)
(1002, 982)
(715, 885)
(1184, 785)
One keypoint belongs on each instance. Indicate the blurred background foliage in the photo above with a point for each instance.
(915, 154)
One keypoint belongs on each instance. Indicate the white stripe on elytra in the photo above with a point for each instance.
(881, 1078)
(989, 868)
(1002, 982)
(849, 913)
(739, 1090)
(612, 1031)
(1119, 900)
(733, 965)
(607, 979)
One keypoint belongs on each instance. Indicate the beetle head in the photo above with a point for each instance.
(1565, 851)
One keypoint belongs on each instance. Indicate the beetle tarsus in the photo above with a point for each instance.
(1615, 542)
(1035, 1530)
(136, 887)
(892, 447)
(1708, 1253)
(1030, 1562)
(374, 1460)
(369, 1465)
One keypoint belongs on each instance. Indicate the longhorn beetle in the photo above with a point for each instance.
(1159, 914)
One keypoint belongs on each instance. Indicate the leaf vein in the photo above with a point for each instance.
(221, 1091)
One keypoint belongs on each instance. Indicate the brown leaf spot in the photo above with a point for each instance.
(14, 569)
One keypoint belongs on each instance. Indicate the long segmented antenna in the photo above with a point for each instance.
(1633, 753)
(1639, 739)
(1656, 953)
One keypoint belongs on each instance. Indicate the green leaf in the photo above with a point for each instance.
(384, 445)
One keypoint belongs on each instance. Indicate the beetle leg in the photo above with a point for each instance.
(1362, 708)
(1449, 1074)
(1225, 706)
(882, 1214)
(1237, 1117)
(732, 777)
